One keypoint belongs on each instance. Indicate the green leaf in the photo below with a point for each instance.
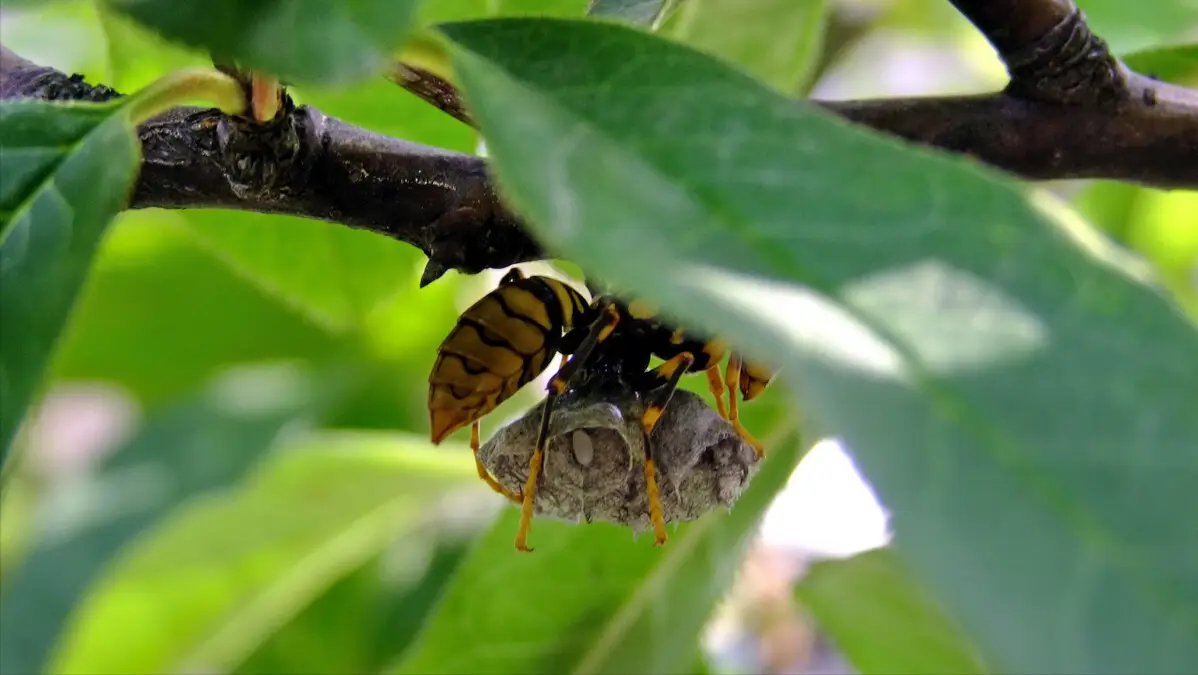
(1016, 393)
(776, 40)
(542, 8)
(1128, 26)
(136, 56)
(389, 600)
(1110, 206)
(150, 281)
(1177, 64)
(205, 587)
(881, 620)
(65, 172)
(432, 13)
(191, 449)
(590, 599)
(333, 275)
(301, 40)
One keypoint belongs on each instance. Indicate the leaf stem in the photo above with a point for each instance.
(184, 85)
(427, 52)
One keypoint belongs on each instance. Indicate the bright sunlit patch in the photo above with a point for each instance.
(810, 321)
(260, 387)
(952, 319)
(826, 509)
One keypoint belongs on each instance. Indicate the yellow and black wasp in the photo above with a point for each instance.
(508, 337)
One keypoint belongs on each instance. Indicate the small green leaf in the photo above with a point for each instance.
(301, 40)
(1017, 393)
(590, 599)
(1178, 64)
(881, 620)
(191, 449)
(65, 172)
(776, 40)
(205, 587)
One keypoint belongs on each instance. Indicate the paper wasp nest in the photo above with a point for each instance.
(594, 464)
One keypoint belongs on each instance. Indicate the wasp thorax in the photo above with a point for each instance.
(594, 463)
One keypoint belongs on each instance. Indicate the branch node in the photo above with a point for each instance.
(259, 158)
(1069, 65)
(459, 242)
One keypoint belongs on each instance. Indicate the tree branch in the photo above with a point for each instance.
(1070, 110)
(304, 163)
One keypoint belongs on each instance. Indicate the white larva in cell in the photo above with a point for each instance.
(584, 450)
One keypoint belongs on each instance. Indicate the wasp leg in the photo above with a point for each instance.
(600, 331)
(483, 473)
(664, 380)
(716, 384)
(731, 379)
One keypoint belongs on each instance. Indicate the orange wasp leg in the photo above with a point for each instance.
(600, 331)
(483, 473)
(716, 384)
(731, 379)
(671, 372)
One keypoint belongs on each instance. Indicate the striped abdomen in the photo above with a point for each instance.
(499, 344)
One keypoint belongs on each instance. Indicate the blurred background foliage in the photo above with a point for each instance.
(229, 470)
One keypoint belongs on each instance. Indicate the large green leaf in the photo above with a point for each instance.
(390, 599)
(776, 40)
(458, 10)
(590, 599)
(1021, 399)
(65, 172)
(1129, 26)
(136, 55)
(206, 586)
(333, 275)
(303, 40)
(191, 449)
(546, 8)
(151, 285)
(881, 620)
(1177, 64)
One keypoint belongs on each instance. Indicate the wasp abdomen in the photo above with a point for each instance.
(498, 345)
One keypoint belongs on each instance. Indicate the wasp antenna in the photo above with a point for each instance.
(432, 271)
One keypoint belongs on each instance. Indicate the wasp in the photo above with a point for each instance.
(507, 338)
